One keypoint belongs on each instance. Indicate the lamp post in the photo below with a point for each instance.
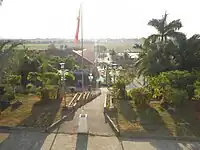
(114, 66)
(90, 77)
(62, 66)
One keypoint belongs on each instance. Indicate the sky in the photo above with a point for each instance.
(101, 18)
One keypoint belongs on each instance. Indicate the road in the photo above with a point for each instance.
(100, 136)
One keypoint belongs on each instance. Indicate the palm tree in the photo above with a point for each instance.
(187, 54)
(154, 58)
(165, 30)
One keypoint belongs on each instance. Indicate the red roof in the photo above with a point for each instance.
(88, 54)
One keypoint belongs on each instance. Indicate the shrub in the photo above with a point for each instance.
(197, 89)
(31, 88)
(48, 92)
(180, 79)
(69, 79)
(162, 83)
(177, 96)
(8, 96)
(141, 96)
(158, 85)
(120, 89)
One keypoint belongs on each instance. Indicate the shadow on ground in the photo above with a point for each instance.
(42, 114)
(134, 121)
(24, 141)
(186, 120)
(82, 142)
(158, 144)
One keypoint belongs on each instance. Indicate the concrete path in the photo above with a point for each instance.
(97, 124)
(44, 141)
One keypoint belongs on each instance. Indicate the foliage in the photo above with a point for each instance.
(120, 88)
(141, 96)
(161, 84)
(6, 50)
(48, 92)
(177, 97)
(165, 29)
(8, 96)
(179, 79)
(158, 85)
(69, 79)
(197, 89)
(13, 80)
(168, 49)
(31, 88)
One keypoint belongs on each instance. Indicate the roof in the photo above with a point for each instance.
(88, 54)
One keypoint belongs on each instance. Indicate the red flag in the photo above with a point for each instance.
(77, 29)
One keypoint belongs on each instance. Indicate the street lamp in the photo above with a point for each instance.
(62, 66)
(114, 66)
(90, 77)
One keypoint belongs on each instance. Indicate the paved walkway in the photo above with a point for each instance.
(101, 136)
(97, 124)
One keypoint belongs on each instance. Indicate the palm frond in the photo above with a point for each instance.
(174, 25)
(153, 38)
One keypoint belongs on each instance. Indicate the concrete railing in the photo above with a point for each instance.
(73, 99)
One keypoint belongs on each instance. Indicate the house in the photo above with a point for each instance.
(88, 55)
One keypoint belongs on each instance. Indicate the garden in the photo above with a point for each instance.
(168, 102)
(30, 81)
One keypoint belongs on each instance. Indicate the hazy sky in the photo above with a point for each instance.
(101, 18)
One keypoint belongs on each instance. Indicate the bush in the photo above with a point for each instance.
(163, 82)
(8, 96)
(197, 90)
(48, 93)
(120, 89)
(180, 79)
(177, 97)
(141, 96)
(31, 88)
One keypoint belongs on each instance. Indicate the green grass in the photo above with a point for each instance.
(119, 47)
(32, 113)
(156, 121)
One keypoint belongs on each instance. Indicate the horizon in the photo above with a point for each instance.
(47, 19)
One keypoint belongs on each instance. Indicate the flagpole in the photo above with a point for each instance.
(81, 10)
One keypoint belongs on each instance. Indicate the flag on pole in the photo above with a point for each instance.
(77, 29)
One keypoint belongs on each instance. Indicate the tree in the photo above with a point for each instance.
(69, 79)
(126, 56)
(165, 30)
(6, 50)
(155, 58)
(13, 80)
(187, 54)
(52, 46)
(113, 54)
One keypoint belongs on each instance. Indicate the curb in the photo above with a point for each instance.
(112, 124)
(58, 121)
(189, 139)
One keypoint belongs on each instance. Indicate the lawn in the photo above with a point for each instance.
(32, 113)
(156, 121)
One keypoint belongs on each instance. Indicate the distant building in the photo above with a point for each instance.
(88, 55)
